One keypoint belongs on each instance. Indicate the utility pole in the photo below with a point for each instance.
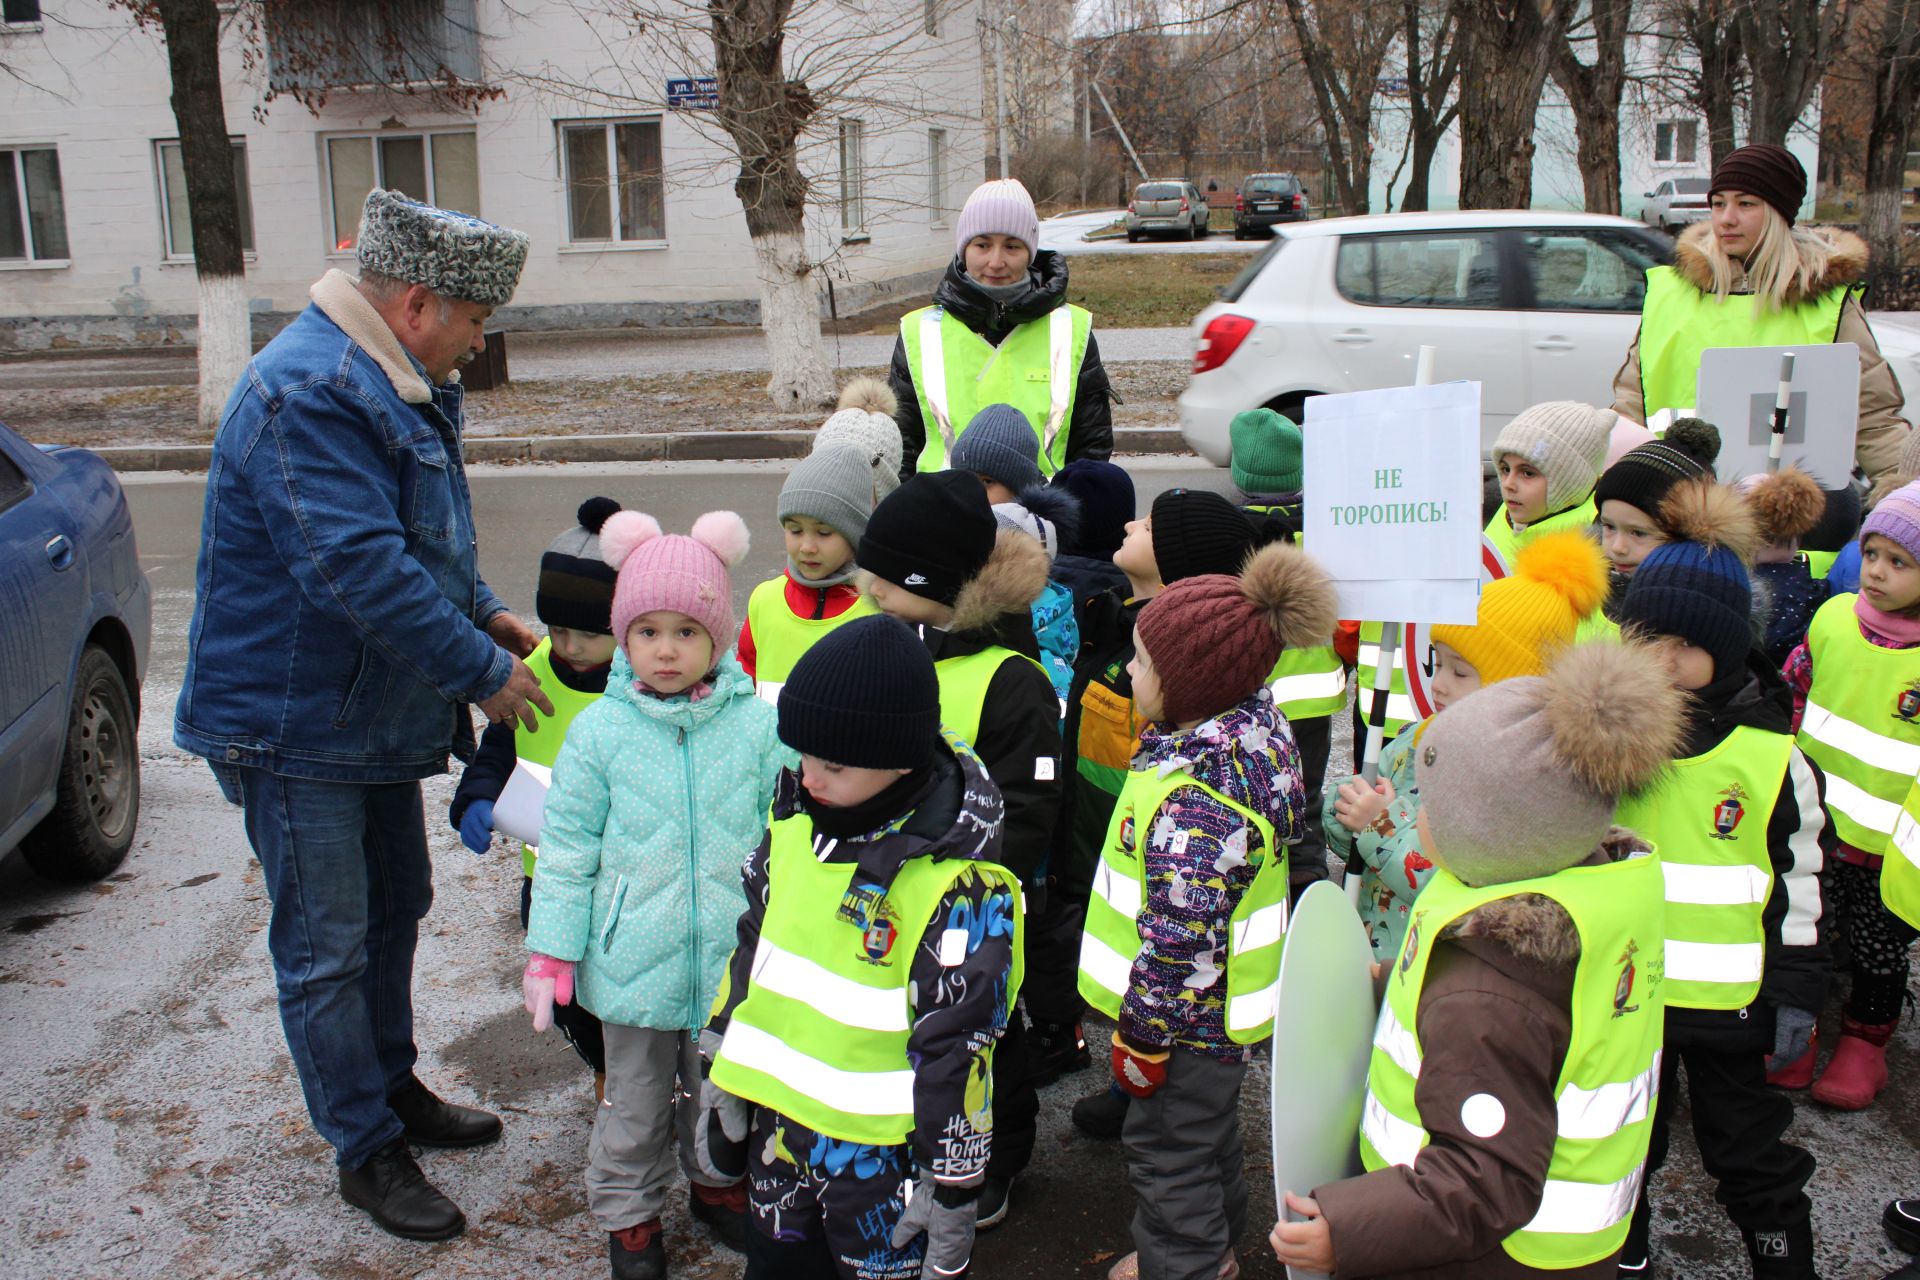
(1120, 129)
(1086, 127)
(999, 96)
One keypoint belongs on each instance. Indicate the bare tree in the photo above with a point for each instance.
(1431, 35)
(1788, 45)
(1509, 47)
(1712, 78)
(1343, 44)
(1594, 91)
(1896, 99)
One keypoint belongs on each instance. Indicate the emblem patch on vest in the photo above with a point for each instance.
(1727, 814)
(1907, 706)
(1126, 834)
(876, 944)
(1410, 949)
(1623, 989)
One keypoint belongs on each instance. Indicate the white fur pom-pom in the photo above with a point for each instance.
(623, 532)
(724, 533)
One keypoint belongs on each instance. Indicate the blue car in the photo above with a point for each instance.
(76, 620)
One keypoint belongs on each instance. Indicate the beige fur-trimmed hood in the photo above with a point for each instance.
(337, 296)
(1846, 265)
(1013, 578)
(1534, 927)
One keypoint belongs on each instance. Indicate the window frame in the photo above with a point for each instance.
(937, 179)
(249, 253)
(376, 137)
(1674, 161)
(607, 126)
(1522, 268)
(1507, 295)
(13, 151)
(35, 23)
(853, 195)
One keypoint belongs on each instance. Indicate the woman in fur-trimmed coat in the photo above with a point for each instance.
(1749, 277)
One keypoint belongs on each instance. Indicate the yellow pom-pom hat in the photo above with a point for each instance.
(1526, 618)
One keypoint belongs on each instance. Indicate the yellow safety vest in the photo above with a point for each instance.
(1501, 533)
(963, 688)
(1678, 323)
(1862, 724)
(957, 373)
(779, 637)
(1900, 868)
(543, 747)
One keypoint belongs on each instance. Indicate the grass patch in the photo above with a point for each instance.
(1139, 291)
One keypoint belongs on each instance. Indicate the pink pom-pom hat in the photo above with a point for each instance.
(686, 573)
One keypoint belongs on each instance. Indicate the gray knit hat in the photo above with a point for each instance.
(864, 419)
(834, 485)
(454, 254)
(1566, 440)
(1520, 779)
(999, 443)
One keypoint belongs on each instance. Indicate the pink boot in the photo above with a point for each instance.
(1857, 1072)
(1797, 1074)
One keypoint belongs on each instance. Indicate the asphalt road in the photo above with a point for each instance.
(1063, 233)
(153, 1125)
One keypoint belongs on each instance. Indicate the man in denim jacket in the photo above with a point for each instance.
(340, 628)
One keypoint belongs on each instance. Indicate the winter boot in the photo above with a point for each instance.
(1059, 1048)
(599, 1087)
(1909, 1272)
(638, 1253)
(724, 1210)
(1783, 1253)
(1797, 1074)
(1857, 1072)
(1902, 1223)
(1103, 1114)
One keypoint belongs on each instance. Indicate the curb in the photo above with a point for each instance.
(666, 446)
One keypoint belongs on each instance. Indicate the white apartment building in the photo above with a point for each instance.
(620, 176)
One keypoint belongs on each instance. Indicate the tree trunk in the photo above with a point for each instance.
(1343, 93)
(1508, 49)
(1896, 97)
(1594, 91)
(1788, 45)
(763, 113)
(1428, 88)
(192, 31)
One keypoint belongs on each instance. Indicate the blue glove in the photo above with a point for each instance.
(476, 826)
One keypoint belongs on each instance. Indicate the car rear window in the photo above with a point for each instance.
(1689, 186)
(1157, 190)
(1420, 269)
(1270, 184)
(1246, 277)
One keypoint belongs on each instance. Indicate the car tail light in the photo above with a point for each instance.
(1239, 203)
(1299, 202)
(1129, 206)
(1183, 204)
(1219, 340)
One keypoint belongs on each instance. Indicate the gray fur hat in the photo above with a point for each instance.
(453, 254)
(834, 485)
(864, 420)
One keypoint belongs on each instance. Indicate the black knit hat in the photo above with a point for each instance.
(1196, 531)
(1700, 594)
(865, 695)
(575, 589)
(1645, 473)
(930, 535)
(1839, 524)
(1106, 505)
(1767, 170)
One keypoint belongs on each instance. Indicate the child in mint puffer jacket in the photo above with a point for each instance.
(659, 793)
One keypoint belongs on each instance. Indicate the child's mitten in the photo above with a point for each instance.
(1792, 1034)
(947, 1214)
(544, 983)
(476, 826)
(1139, 1072)
(720, 1130)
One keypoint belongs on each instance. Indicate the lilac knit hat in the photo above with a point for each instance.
(684, 573)
(1898, 517)
(1000, 207)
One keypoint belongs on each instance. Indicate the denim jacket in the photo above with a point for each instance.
(339, 617)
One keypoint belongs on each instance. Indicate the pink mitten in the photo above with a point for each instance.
(545, 981)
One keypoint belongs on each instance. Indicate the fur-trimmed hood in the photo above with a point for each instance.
(1531, 927)
(1012, 579)
(1846, 265)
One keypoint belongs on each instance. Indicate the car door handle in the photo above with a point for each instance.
(1555, 343)
(60, 551)
(1354, 337)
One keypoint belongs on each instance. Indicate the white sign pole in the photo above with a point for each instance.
(1782, 400)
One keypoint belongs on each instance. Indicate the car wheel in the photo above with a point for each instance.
(98, 802)
(1204, 230)
(1292, 406)
(1239, 233)
(1191, 233)
(1133, 237)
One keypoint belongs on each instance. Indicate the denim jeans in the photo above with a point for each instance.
(347, 869)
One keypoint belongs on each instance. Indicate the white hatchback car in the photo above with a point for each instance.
(1533, 305)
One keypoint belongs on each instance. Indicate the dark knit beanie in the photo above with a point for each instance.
(1839, 523)
(575, 589)
(1699, 593)
(1644, 474)
(864, 695)
(930, 535)
(1196, 531)
(1767, 170)
(1106, 505)
(1001, 444)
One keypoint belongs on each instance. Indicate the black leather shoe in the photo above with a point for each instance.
(1103, 1114)
(433, 1123)
(391, 1188)
(1057, 1049)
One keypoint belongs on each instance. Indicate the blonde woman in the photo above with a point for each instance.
(1748, 277)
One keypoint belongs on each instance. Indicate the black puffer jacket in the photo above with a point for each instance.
(1089, 433)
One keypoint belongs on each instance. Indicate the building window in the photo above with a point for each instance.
(853, 177)
(33, 213)
(12, 11)
(933, 17)
(937, 175)
(176, 225)
(1675, 141)
(616, 183)
(440, 169)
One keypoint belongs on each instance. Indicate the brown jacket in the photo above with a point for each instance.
(1883, 426)
(1495, 1018)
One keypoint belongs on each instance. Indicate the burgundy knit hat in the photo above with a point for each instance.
(1767, 170)
(1214, 639)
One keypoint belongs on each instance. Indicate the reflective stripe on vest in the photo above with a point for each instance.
(1306, 683)
(1900, 869)
(543, 748)
(1678, 323)
(1500, 530)
(1609, 1082)
(780, 637)
(1862, 724)
(1400, 709)
(1708, 816)
(1256, 932)
(963, 687)
(956, 373)
(822, 1032)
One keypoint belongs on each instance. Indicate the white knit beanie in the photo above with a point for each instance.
(1000, 207)
(1566, 440)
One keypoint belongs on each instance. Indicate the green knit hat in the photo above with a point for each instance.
(1266, 452)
